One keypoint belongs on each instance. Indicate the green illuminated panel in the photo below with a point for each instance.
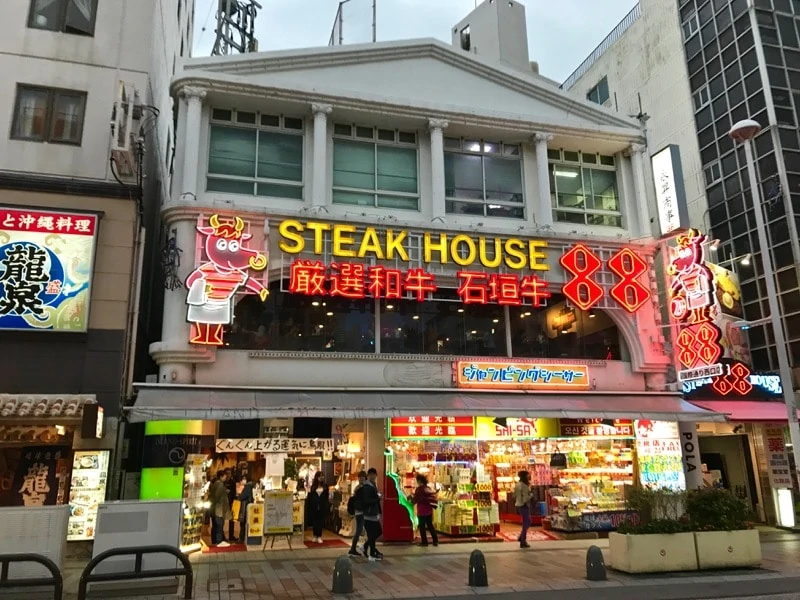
(401, 495)
(173, 427)
(161, 484)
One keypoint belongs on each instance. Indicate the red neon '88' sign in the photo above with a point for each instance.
(582, 289)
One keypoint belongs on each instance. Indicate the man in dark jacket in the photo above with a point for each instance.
(371, 502)
(220, 508)
(358, 514)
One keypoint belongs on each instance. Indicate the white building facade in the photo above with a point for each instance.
(87, 113)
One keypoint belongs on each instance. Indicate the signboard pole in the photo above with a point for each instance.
(690, 449)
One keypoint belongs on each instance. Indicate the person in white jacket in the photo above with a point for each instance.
(522, 500)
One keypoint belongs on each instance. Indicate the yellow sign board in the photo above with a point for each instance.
(460, 249)
(515, 429)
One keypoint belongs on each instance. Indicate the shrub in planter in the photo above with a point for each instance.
(660, 511)
(713, 509)
(723, 526)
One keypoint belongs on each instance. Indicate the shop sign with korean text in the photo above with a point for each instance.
(268, 445)
(46, 267)
(780, 475)
(521, 375)
(598, 428)
(432, 427)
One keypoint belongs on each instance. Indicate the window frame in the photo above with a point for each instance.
(552, 163)
(52, 95)
(595, 89)
(692, 18)
(257, 126)
(501, 154)
(711, 177)
(61, 22)
(375, 141)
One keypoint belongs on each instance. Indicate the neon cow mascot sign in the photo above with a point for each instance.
(692, 305)
(213, 285)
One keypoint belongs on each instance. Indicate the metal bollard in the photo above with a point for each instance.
(477, 570)
(595, 565)
(343, 576)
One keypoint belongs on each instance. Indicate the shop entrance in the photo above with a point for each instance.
(579, 470)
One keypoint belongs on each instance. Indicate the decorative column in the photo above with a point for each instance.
(637, 159)
(437, 127)
(191, 138)
(319, 178)
(544, 212)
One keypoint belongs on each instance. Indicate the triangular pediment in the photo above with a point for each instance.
(425, 74)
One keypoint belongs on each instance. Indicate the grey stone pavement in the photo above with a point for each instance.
(548, 570)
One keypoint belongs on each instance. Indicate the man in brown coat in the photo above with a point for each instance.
(220, 508)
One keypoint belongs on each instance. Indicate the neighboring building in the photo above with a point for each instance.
(403, 204)
(698, 67)
(85, 91)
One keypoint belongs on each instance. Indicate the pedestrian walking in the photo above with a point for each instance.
(318, 505)
(357, 502)
(372, 514)
(220, 508)
(522, 500)
(425, 499)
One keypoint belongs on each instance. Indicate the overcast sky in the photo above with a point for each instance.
(561, 33)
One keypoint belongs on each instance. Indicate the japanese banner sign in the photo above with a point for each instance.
(46, 265)
(432, 427)
(268, 445)
(36, 479)
(660, 458)
(780, 475)
(521, 375)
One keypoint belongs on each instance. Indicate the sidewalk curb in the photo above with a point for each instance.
(656, 591)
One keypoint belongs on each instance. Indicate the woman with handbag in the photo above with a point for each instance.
(522, 500)
(318, 505)
(425, 499)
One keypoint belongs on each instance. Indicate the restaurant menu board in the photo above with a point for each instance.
(278, 512)
(87, 491)
(659, 450)
(777, 457)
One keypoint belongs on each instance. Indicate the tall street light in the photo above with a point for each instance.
(744, 132)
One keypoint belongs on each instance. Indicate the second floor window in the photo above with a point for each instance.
(583, 188)
(255, 154)
(48, 115)
(69, 16)
(599, 93)
(375, 167)
(483, 178)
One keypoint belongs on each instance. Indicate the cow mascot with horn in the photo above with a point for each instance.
(214, 284)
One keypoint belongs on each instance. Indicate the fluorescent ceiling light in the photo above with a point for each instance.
(570, 174)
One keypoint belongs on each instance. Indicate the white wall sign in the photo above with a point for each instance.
(276, 445)
(670, 192)
(780, 476)
(690, 448)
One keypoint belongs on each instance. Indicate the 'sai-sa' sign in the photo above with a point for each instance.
(46, 265)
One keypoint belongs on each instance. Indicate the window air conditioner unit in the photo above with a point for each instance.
(123, 137)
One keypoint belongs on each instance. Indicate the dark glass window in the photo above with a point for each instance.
(786, 26)
(302, 323)
(562, 332)
(68, 16)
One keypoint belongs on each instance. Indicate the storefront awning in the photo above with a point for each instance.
(746, 410)
(156, 402)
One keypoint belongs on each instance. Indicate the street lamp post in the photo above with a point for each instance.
(744, 132)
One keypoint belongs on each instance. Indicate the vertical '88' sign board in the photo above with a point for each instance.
(46, 266)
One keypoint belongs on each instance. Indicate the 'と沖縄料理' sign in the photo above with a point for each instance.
(46, 265)
(520, 375)
(276, 445)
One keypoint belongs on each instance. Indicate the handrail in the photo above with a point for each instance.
(89, 577)
(612, 37)
(57, 581)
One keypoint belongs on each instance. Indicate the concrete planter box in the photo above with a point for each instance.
(727, 549)
(653, 553)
